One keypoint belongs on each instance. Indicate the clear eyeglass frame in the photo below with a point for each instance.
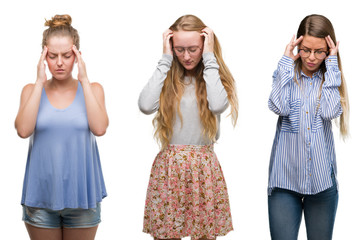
(193, 50)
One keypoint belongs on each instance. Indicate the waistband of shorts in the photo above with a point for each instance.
(180, 147)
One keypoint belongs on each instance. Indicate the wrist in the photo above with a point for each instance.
(286, 61)
(331, 61)
(84, 81)
(208, 50)
(169, 52)
(39, 82)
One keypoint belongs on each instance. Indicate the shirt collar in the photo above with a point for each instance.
(316, 75)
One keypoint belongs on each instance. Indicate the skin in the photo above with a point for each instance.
(61, 234)
(61, 55)
(311, 64)
(203, 39)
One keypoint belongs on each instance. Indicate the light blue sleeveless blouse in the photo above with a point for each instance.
(63, 168)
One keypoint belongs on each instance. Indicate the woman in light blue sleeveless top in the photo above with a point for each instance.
(63, 183)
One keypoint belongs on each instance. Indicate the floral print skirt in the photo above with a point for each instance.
(187, 195)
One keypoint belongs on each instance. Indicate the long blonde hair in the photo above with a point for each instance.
(173, 89)
(320, 27)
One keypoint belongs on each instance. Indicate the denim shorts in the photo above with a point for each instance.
(65, 218)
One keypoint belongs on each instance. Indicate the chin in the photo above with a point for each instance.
(189, 67)
(60, 77)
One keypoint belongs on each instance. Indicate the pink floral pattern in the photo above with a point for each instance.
(187, 195)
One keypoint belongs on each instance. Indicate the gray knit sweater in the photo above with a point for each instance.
(190, 132)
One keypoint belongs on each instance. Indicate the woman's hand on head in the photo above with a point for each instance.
(333, 49)
(167, 46)
(41, 68)
(82, 74)
(208, 45)
(291, 46)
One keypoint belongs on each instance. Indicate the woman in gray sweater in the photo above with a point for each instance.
(191, 87)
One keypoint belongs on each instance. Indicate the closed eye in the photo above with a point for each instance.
(192, 49)
(179, 49)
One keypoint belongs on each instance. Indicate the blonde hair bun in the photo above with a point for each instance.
(59, 20)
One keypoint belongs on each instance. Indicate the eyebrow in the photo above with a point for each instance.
(187, 47)
(61, 53)
(313, 49)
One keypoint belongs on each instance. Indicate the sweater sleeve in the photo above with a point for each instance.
(279, 99)
(149, 97)
(330, 106)
(216, 93)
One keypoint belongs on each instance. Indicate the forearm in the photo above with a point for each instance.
(96, 111)
(149, 97)
(28, 111)
(330, 97)
(216, 93)
(279, 99)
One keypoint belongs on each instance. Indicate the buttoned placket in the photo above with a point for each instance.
(307, 126)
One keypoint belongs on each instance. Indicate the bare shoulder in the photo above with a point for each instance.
(27, 89)
(97, 88)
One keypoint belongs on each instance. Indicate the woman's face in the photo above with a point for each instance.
(60, 57)
(188, 47)
(311, 63)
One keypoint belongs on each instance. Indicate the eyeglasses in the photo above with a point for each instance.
(318, 53)
(193, 50)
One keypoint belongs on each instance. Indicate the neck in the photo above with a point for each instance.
(308, 74)
(190, 73)
(61, 84)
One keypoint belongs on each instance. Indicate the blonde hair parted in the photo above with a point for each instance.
(173, 89)
(319, 26)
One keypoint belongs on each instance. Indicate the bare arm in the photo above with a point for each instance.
(30, 99)
(98, 120)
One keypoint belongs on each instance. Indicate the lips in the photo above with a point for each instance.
(311, 65)
(59, 70)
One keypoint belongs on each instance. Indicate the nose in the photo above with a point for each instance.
(186, 55)
(312, 56)
(59, 60)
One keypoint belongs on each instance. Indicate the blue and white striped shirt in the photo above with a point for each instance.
(303, 152)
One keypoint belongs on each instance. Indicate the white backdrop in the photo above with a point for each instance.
(121, 43)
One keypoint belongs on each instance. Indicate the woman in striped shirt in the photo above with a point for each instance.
(308, 91)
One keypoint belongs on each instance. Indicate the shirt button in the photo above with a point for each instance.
(311, 83)
(310, 174)
(306, 112)
(308, 128)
